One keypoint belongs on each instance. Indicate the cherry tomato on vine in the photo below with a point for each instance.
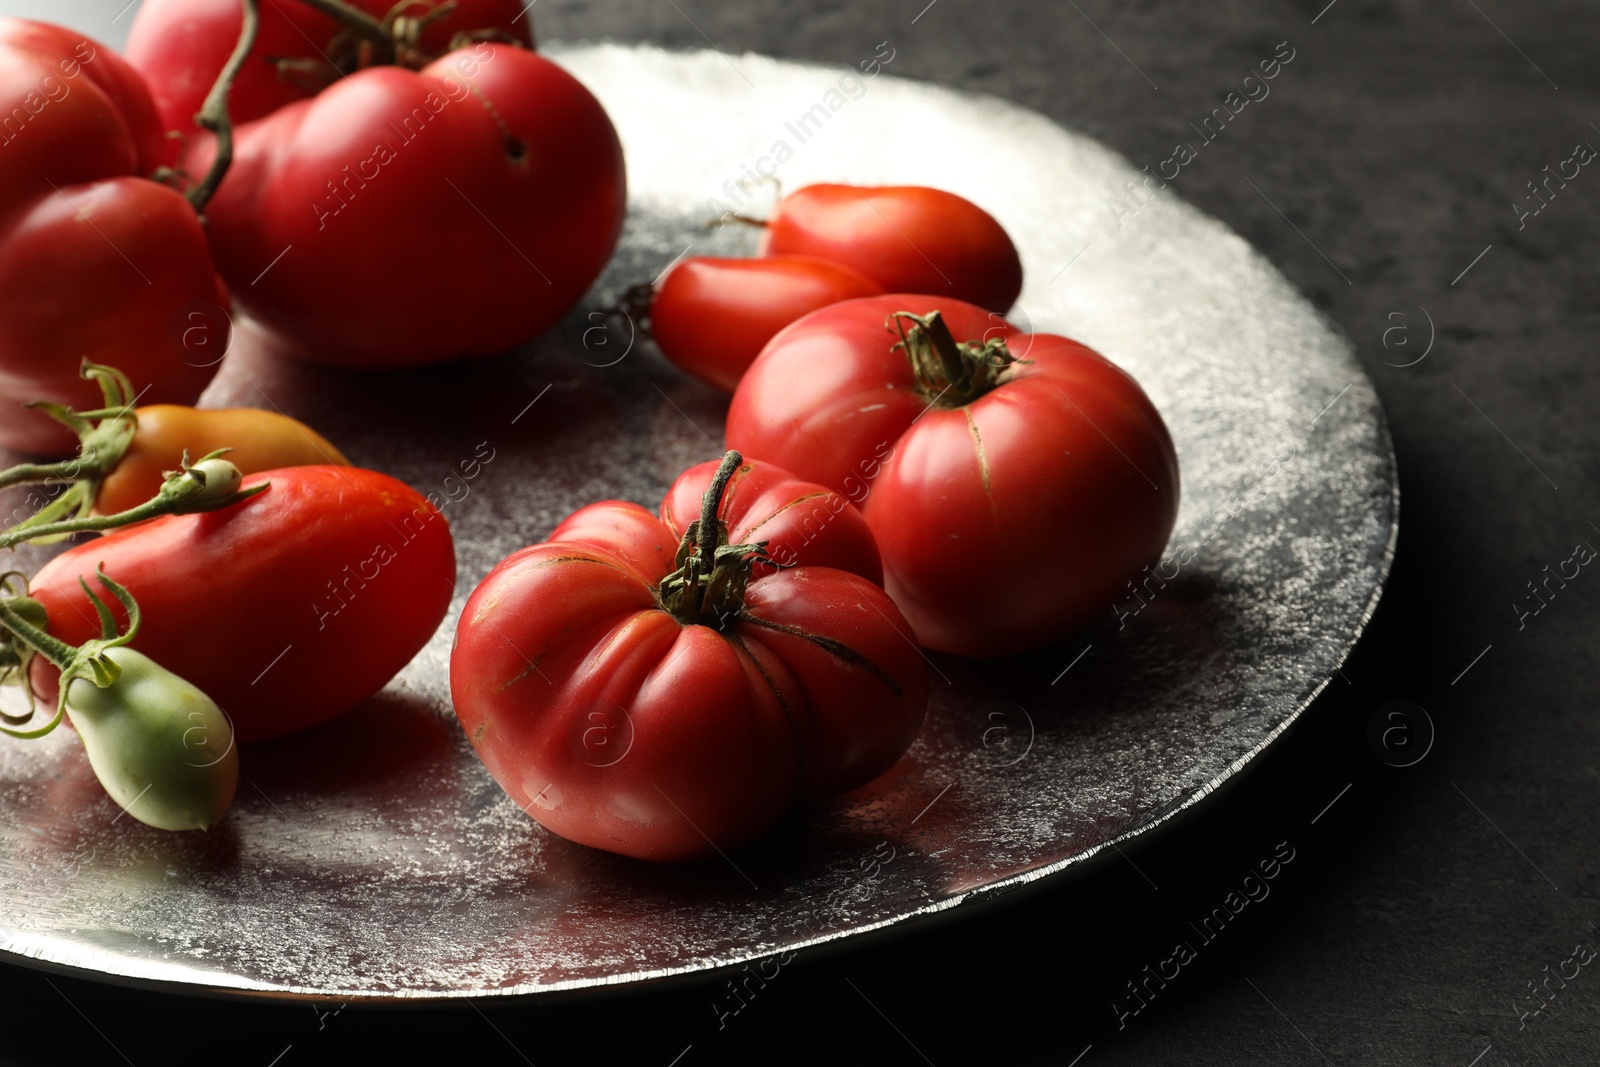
(414, 211)
(712, 316)
(287, 609)
(257, 441)
(1015, 483)
(665, 698)
(907, 238)
(96, 260)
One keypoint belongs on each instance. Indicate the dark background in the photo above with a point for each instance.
(1420, 905)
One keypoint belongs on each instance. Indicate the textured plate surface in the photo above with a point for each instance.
(374, 858)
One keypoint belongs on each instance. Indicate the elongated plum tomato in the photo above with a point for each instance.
(163, 749)
(96, 260)
(629, 700)
(1015, 483)
(401, 216)
(287, 609)
(907, 238)
(712, 316)
(257, 441)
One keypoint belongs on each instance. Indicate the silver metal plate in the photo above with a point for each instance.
(375, 859)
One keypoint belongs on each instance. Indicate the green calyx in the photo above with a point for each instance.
(950, 373)
(103, 438)
(104, 435)
(24, 620)
(709, 583)
(209, 485)
(16, 656)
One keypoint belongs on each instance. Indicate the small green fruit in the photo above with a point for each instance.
(162, 748)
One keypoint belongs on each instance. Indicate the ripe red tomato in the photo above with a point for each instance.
(622, 710)
(182, 45)
(907, 238)
(96, 261)
(713, 316)
(402, 217)
(1015, 483)
(288, 609)
(802, 523)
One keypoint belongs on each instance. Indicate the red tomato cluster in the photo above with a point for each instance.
(96, 260)
(411, 185)
(406, 184)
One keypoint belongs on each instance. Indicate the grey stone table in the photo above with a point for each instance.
(1432, 914)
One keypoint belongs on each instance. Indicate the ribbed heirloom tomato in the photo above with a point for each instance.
(287, 609)
(412, 196)
(1015, 483)
(665, 697)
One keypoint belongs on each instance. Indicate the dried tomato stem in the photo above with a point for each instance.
(711, 503)
(356, 20)
(709, 584)
(949, 372)
(213, 114)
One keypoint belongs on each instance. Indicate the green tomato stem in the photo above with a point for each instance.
(89, 660)
(213, 113)
(13, 618)
(40, 473)
(177, 502)
(356, 20)
(103, 434)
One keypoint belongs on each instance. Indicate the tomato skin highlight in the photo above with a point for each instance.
(96, 261)
(346, 573)
(1005, 523)
(907, 238)
(257, 441)
(712, 316)
(616, 725)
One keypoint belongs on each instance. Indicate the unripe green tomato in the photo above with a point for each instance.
(162, 748)
(222, 479)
